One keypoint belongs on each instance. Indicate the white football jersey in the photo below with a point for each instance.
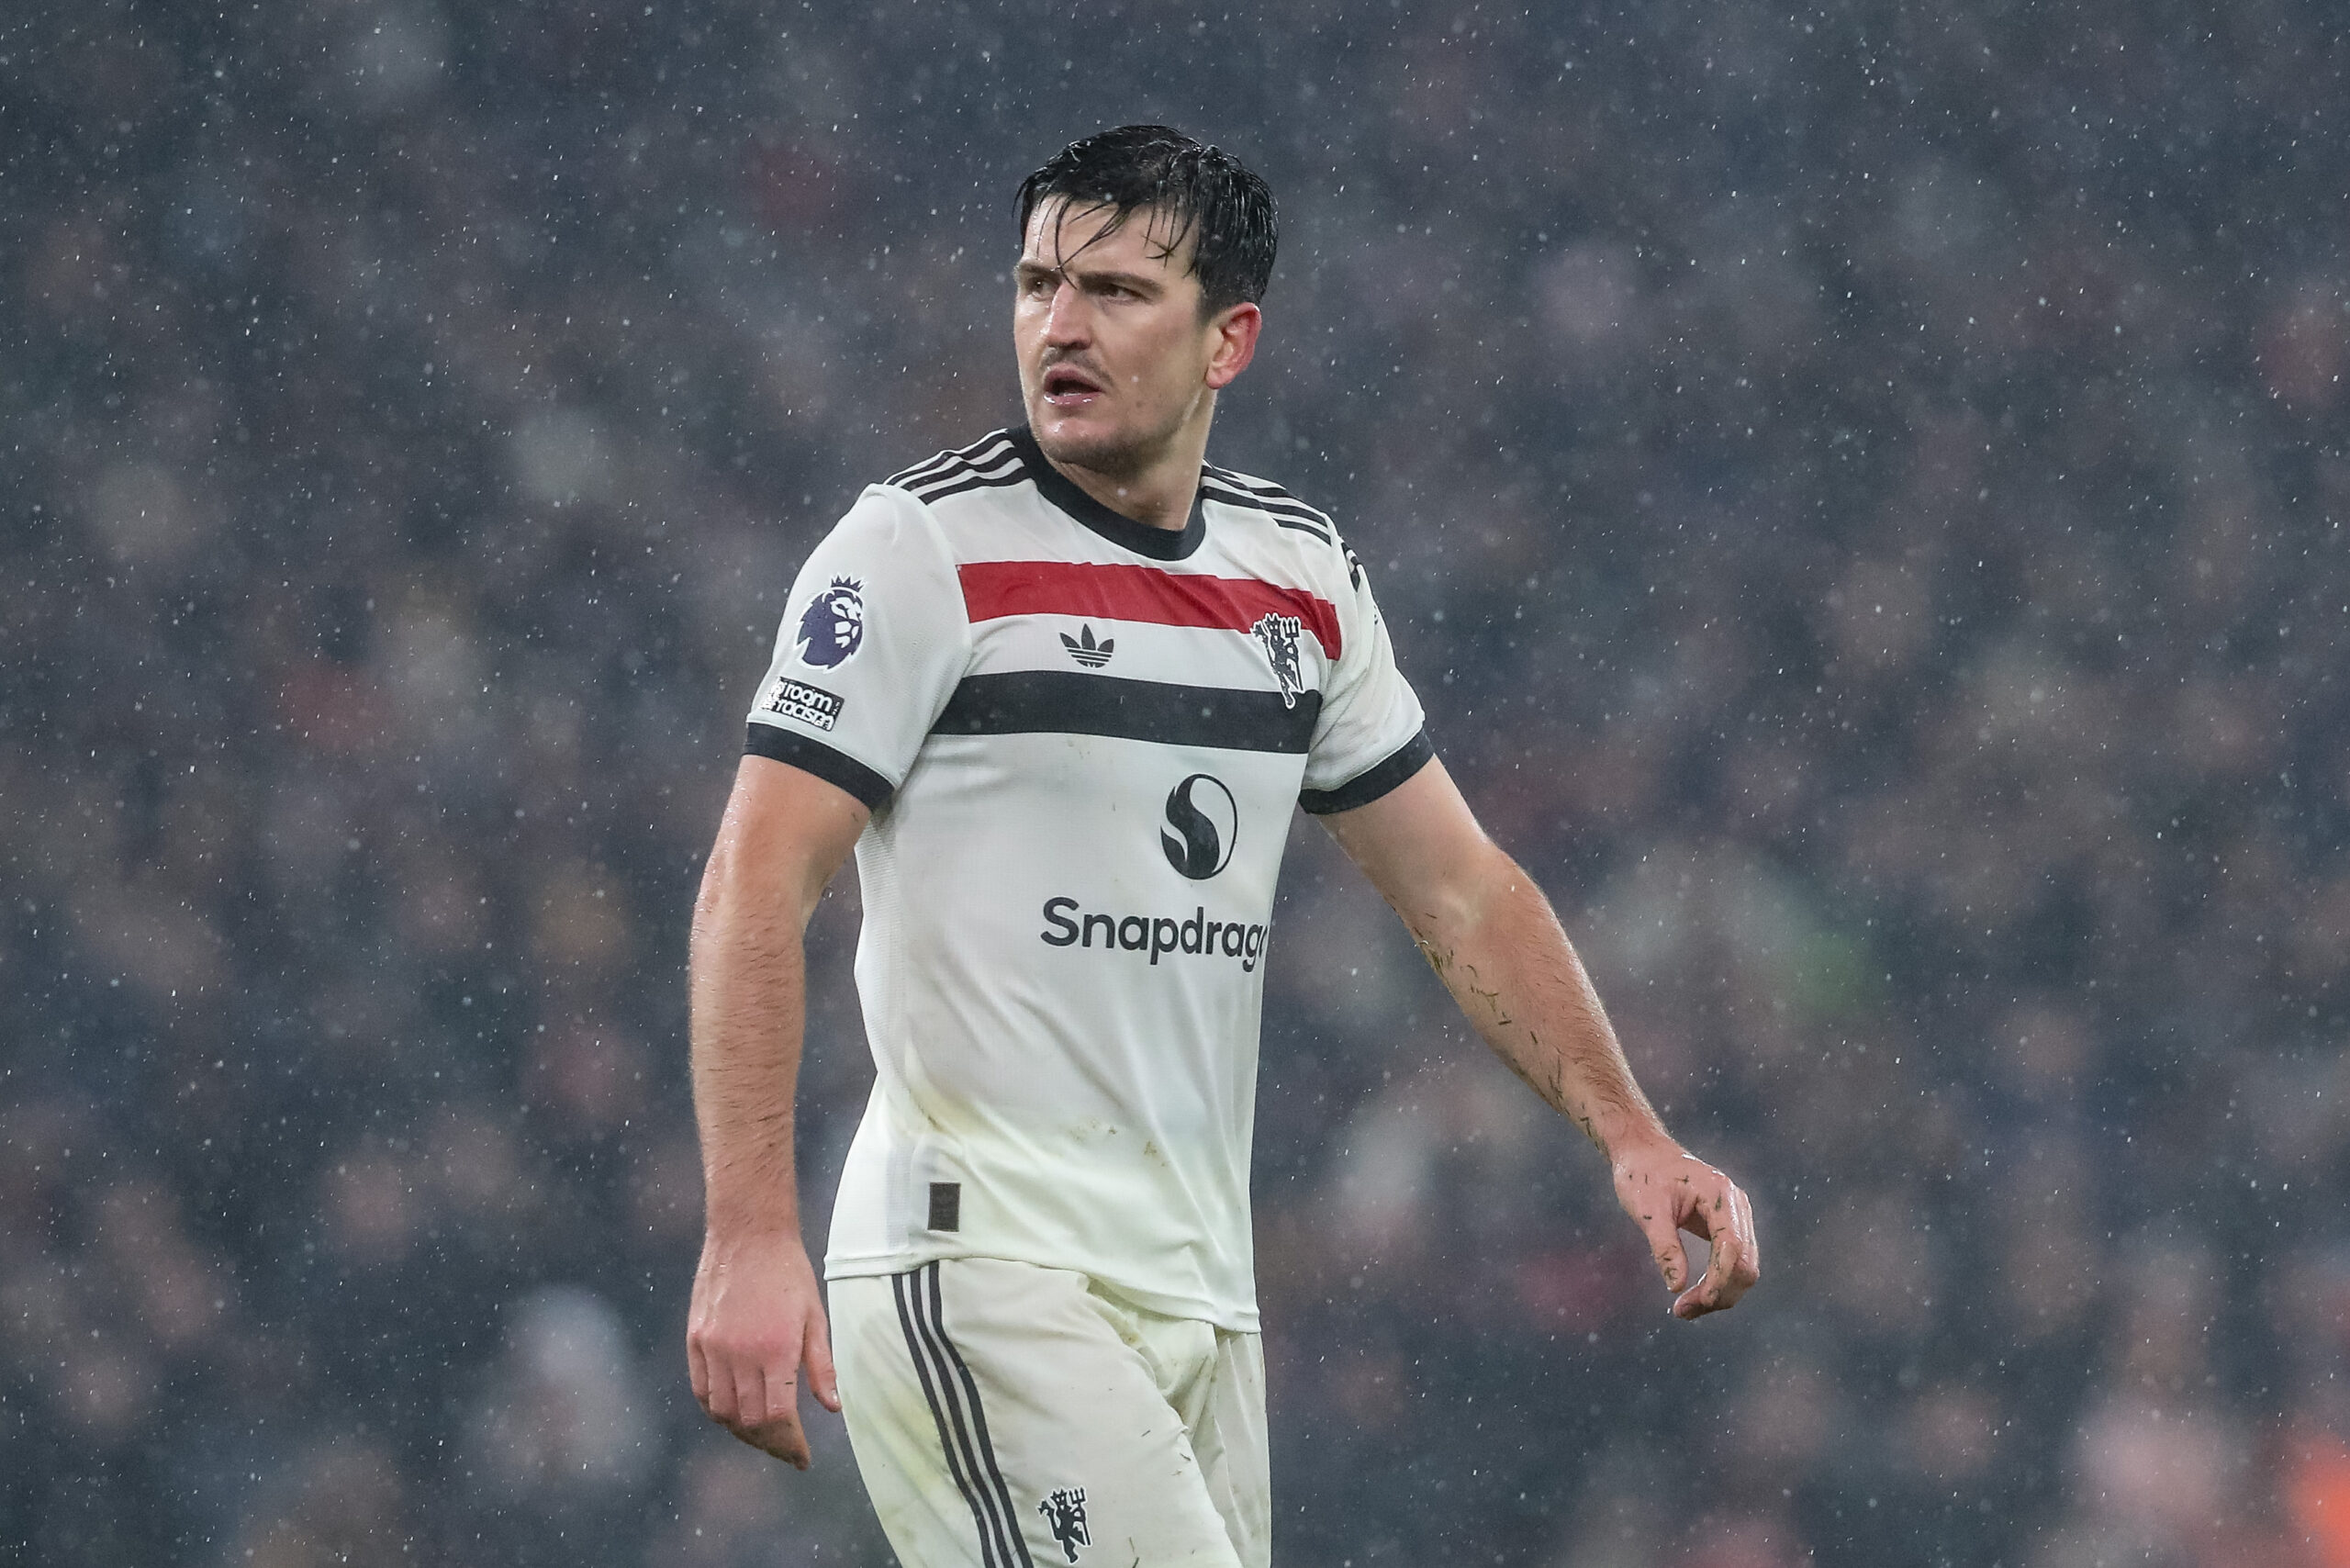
(1081, 738)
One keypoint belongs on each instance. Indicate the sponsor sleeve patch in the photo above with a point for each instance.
(810, 705)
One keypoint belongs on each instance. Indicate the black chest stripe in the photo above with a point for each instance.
(1071, 702)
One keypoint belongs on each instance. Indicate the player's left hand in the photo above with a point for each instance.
(1667, 1189)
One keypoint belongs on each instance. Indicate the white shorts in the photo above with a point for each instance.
(1006, 1415)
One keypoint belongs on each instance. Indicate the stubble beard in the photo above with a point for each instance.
(1117, 456)
(1113, 457)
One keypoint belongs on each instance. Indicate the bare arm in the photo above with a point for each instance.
(1492, 938)
(756, 1315)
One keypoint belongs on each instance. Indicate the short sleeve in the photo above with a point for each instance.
(873, 641)
(1370, 735)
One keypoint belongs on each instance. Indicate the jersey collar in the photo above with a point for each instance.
(1158, 544)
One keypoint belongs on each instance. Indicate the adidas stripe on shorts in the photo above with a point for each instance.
(1010, 1416)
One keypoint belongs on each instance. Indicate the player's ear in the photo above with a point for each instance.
(1236, 328)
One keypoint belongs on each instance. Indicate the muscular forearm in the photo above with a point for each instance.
(755, 1318)
(748, 990)
(1501, 953)
(1491, 935)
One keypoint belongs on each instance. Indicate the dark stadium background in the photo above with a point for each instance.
(1859, 487)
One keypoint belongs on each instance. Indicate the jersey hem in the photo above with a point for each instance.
(835, 768)
(1373, 781)
(1238, 1321)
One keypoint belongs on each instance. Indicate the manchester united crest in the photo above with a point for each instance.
(1064, 1514)
(1278, 636)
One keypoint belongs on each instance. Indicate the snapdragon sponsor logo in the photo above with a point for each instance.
(1203, 825)
(1157, 934)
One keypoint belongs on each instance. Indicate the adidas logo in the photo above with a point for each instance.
(1086, 651)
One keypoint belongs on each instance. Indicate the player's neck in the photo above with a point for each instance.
(1157, 492)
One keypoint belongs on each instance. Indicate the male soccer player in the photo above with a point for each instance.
(1059, 690)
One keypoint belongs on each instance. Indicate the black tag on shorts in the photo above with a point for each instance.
(947, 1206)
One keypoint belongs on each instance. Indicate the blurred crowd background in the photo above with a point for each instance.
(1859, 488)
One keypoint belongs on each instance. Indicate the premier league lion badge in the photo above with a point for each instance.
(833, 627)
(1279, 635)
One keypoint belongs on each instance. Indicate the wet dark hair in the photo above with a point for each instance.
(1192, 189)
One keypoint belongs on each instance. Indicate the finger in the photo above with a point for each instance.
(780, 1384)
(698, 1370)
(780, 1440)
(751, 1394)
(1664, 1245)
(822, 1381)
(1744, 1267)
(1706, 1296)
(719, 1398)
(784, 1438)
(1652, 1209)
(1733, 1266)
(1750, 1252)
(1708, 1216)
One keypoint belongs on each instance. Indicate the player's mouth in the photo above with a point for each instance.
(1067, 387)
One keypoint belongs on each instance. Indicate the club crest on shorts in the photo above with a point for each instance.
(832, 626)
(1064, 1514)
(1278, 634)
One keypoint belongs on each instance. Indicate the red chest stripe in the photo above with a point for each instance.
(993, 589)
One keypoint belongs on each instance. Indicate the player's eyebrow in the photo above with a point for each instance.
(1026, 272)
(1138, 282)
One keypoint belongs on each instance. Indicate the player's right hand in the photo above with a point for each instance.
(757, 1320)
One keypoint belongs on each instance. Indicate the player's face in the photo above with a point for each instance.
(1115, 358)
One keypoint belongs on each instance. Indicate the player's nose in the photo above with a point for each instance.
(1066, 323)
